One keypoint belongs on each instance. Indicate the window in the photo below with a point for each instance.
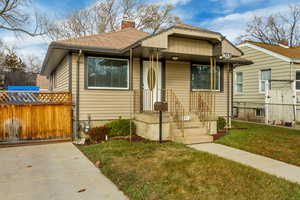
(201, 77)
(260, 112)
(265, 75)
(107, 73)
(239, 82)
(298, 80)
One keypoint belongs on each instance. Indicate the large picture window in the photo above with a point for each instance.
(201, 77)
(107, 73)
(265, 75)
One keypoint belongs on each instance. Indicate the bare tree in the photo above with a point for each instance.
(153, 18)
(106, 15)
(13, 18)
(33, 64)
(275, 28)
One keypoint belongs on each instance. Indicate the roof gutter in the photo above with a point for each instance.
(56, 45)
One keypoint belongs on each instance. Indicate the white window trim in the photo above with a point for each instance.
(207, 90)
(107, 88)
(235, 83)
(297, 70)
(259, 88)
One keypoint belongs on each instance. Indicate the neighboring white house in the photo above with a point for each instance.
(267, 90)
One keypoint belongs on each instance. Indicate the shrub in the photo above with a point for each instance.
(97, 134)
(120, 127)
(221, 123)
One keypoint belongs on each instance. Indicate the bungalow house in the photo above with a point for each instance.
(267, 90)
(123, 74)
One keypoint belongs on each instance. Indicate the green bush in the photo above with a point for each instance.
(120, 127)
(221, 123)
(97, 134)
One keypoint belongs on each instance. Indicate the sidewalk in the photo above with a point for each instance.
(268, 165)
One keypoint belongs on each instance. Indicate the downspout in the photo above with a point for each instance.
(228, 88)
(131, 92)
(232, 90)
(77, 95)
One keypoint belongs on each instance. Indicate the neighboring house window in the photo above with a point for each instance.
(265, 75)
(107, 73)
(260, 112)
(201, 77)
(298, 80)
(239, 82)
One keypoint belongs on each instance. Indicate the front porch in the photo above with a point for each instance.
(192, 123)
(191, 70)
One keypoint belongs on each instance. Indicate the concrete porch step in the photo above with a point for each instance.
(195, 139)
(192, 124)
(193, 131)
(198, 139)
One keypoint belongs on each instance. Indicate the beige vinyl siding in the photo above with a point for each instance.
(221, 97)
(103, 104)
(161, 40)
(178, 75)
(229, 48)
(251, 73)
(110, 104)
(61, 76)
(178, 78)
(189, 46)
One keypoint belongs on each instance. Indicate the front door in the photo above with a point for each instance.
(152, 82)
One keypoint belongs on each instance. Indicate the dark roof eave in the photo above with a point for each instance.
(240, 62)
(57, 45)
(71, 47)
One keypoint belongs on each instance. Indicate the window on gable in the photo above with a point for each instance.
(107, 73)
(201, 77)
(265, 75)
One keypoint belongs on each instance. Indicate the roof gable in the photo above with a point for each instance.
(291, 54)
(160, 40)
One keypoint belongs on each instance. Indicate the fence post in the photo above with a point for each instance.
(267, 102)
(294, 102)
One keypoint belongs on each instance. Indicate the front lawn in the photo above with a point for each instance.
(278, 143)
(174, 171)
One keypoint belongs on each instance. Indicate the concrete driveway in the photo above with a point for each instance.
(52, 171)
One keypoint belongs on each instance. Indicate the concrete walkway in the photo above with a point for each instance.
(271, 166)
(53, 171)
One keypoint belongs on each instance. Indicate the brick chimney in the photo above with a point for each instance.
(126, 23)
(284, 43)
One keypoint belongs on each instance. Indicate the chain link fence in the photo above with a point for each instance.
(270, 113)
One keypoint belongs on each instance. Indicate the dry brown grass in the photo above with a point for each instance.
(174, 171)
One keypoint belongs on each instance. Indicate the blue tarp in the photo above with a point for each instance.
(23, 88)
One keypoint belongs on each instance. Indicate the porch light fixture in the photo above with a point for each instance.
(174, 58)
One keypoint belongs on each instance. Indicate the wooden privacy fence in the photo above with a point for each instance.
(35, 115)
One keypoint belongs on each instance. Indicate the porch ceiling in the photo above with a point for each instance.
(145, 53)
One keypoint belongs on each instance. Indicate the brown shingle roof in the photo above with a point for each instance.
(112, 40)
(292, 52)
(192, 27)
